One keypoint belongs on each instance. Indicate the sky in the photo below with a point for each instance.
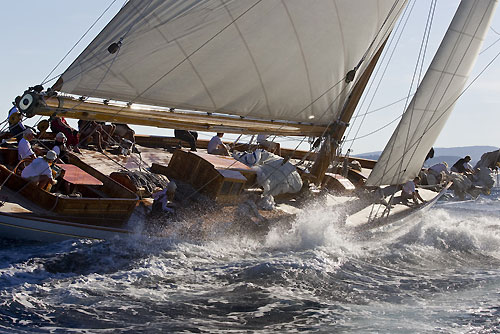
(36, 35)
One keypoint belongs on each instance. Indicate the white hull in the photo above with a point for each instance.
(374, 215)
(48, 230)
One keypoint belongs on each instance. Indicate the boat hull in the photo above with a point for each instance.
(110, 202)
(14, 226)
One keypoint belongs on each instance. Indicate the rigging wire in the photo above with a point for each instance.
(495, 42)
(431, 124)
(374, 131)
(417, 142)
(230, 24)
(384, 71)
(383, 107)
(422, 53)
(44, 81)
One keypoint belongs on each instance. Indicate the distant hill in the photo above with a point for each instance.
(448, 154)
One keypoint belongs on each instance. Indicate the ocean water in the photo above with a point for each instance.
(438, 273)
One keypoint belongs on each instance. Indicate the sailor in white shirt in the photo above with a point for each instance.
(409, 191)
(216, 146)
(24, 147)
(39, 170)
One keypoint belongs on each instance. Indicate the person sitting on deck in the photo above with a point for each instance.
(16, 128)
(268, 145)
(409, 191)
(39, 170)
(89, 132)
(59, 124)
(24, 150)
(59, 146)
(216, 146)
(462, 166)
(98, 132)
(188, 136)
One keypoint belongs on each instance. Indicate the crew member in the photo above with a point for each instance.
(39, 170)
(409, 191)
(462, 166)
(187, 136)
(216, 146)
(59, 146)
(268, 145)
(59, 124)
(437, 170)
(24, 150)
(16, 129)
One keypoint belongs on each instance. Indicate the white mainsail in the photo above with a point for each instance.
(435, 98)
(273, 59)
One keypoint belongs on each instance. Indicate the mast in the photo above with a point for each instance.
(335, 134)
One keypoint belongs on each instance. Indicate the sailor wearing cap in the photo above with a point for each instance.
(24, 147)
(59, 146)
(39, 170)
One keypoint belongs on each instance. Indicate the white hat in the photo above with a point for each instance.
(60, 136)
(51, 155)
(28, 131)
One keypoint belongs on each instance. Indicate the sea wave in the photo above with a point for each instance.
(435, 273)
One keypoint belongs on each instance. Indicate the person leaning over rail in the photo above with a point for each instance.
(39, 170)
(463, 166)
(438, 170)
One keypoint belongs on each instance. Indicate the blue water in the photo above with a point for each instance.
(439, 273)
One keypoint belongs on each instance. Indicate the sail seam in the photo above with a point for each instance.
(301, 48)
(193, 53)
(250, 54)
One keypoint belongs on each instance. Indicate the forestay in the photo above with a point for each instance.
(435, 98)
(273, 59)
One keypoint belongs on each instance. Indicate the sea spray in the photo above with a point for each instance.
(435, 273)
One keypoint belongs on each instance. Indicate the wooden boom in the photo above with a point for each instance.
(74, 108)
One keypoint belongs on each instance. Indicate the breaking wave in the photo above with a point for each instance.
(436, 273)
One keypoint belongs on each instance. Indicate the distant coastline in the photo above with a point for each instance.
(448, 154)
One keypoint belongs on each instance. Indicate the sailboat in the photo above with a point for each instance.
(290, 68)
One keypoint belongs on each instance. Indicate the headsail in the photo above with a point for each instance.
(435, 98)
(273, 59)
